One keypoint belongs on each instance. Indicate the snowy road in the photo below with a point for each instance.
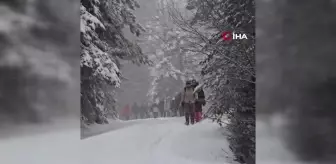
(153, 141)
(61, 147)
(165, 141)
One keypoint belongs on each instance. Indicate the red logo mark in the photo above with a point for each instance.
(227, 36)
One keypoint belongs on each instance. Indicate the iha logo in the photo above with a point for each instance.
(233, 36)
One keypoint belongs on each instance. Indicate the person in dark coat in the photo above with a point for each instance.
(141, 111)
(161, 108)
(155, 110)
(200, 101)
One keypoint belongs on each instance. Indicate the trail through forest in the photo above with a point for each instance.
(164, 141)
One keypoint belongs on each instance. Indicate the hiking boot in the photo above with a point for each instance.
(186, 123)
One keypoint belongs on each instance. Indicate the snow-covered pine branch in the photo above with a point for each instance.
(228, 70)
(102, 46)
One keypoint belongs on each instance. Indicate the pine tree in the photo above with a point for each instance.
(37, 60)
(166, 76)
(173, 62)
(103, 45)
(229, 69)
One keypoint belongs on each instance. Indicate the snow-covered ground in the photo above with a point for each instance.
(98, 129)
(158, 141)
(151, 141)
(270, 146)
(43, 144)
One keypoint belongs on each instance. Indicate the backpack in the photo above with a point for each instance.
(188, 95)
(200, 96)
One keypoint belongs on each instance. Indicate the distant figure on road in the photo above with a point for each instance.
(155, 111)
(188, 102)
(126, 112)
(161, 108)
(177, 105)
(145, 110)
(135, 110)
(167, 109)
(174, 107)
(141, 111)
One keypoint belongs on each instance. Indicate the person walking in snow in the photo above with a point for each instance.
(161, 108)
(188, 103)
(146, 110)
(141, 111)
(155, 110)
(126, 112)
(174, 107)
(167, 107)
(200, 100)
(178, 99)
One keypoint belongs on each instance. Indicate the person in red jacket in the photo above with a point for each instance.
(126, 112)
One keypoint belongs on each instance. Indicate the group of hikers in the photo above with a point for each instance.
(188, 103)
(163, 108)
(134, 112)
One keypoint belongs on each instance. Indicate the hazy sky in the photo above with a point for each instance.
(136, 88)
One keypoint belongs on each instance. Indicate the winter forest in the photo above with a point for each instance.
(139, 53)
